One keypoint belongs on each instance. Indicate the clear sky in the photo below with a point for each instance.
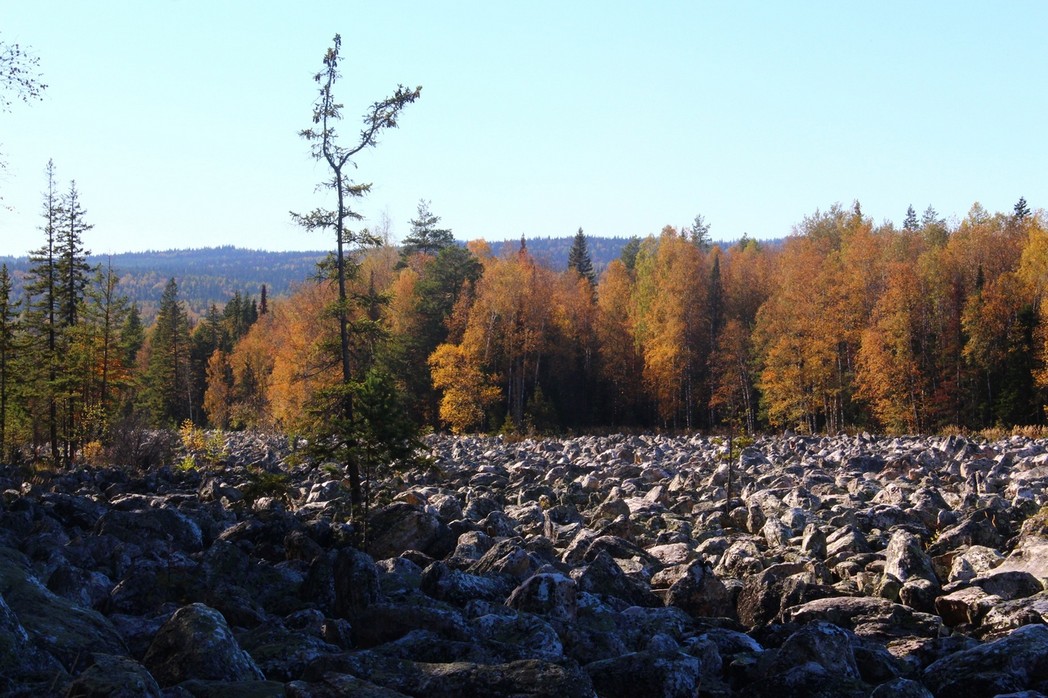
(178, 119)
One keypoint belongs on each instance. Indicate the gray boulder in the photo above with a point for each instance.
(1017, 662)
(658, 674)
(549, 594)
(112, 676)
(196, 643)
(700, 592)
(401, 526)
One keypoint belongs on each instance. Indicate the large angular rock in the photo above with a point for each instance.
(700, 593)
(549, 594)
(162, 528)
(1004, 616)
(764, 596)
(519, 636)
(21, 663)
(459, 588)
(905, 558)
(965, 606)
(529, 677)
(1017, 662)
(875, 618)
(401, 526)
(196, 643)
(605, 578)
(58, 627)
(1030, 555)
(356, 582)
(820, 642)
(665, 674)
(975, 561)
(114, 677)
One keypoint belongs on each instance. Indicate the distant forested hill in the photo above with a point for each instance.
(214, 274)
(554, 251)
(204, 276)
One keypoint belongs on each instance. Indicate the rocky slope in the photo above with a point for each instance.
(612, 566)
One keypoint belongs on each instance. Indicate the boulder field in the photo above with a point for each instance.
(591, 566)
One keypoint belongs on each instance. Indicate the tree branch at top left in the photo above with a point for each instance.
(19, 75)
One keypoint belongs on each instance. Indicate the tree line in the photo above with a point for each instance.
(845, 324)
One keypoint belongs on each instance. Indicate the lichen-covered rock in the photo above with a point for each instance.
(518, 636)
(1029, 555)
(976, 560)
(1013, 663)
(602, 576)
(905, 558)
(549, 594)
(22, 665)
(1004, 616)
(160, 527)
(528, 677)
(820, 643)
(356, 582)
(400, 526)
(700, 593)
(196, 643)
(662, 675)
(54, 625)
(875, 618)
(459, 588)
(113, 676)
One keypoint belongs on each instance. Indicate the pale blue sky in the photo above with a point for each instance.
(178, 119)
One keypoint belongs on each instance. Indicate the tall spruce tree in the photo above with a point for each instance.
(699, 233)
(341, 438)
(42, 322)
(1021, 211)
(579, 258)
(105, 311)
(167, 391)
(132, 336)
(8, 324)
(910, 223)
(72, 272)
(426, 237)
(629, 253)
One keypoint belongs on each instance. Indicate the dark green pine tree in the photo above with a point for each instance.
(1021, 211)
(441, 282)
(426, 237)
(579, 258)
(8, 326)
(73, 269)
(105, 311)
(910, 223)
(166, 392)
(41, 324)
(629, 253)
(209, 336)
(132, 336)
(73, 273)
(699, 233)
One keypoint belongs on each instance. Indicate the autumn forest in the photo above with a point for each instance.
(845, 324)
